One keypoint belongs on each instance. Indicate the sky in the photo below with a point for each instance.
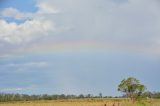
(78, 46)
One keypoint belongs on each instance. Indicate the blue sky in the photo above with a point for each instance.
(78, 46)
(25, 6)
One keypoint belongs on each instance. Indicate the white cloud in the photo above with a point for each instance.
(13, 12)
(35, 25)
(25, 67)
(46, 8)
(17, 89)
(43, 9)
(25, 32)
(28, 64)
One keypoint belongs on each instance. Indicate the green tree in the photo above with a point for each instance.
(132, 88)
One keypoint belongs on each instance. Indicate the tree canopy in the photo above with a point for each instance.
(131, 87)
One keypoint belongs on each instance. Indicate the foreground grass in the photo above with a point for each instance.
(85, 102)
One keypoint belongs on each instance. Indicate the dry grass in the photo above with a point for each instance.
(84, 102)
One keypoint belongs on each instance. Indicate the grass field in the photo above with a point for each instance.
(84, 102)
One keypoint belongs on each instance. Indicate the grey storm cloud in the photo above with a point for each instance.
(120, 23)
(126, 22)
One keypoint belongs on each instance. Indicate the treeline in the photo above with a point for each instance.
(155, 95)
(24, 97)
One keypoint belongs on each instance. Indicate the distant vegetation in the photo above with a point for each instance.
(131, 87)
(24, 97)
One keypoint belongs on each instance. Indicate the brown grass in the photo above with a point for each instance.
(84, 102)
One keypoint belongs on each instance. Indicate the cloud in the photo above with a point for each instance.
(24, 67)
(17, 89)
(25, 32)
(13, 12)
(46, 8)
(121, 25)
(28, 64)
(126, 24)
(43, 8)
(35, 25)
